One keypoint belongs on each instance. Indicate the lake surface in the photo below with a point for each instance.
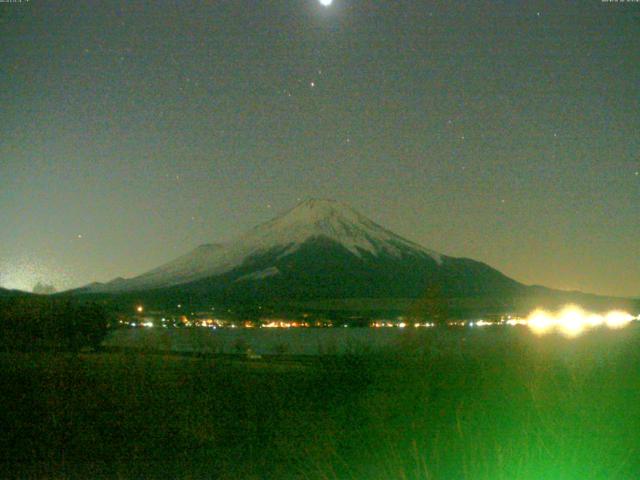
(265, 341)
(323, 341)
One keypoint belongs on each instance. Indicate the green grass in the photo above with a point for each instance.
(487, 405)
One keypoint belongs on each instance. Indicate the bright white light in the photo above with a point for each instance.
(326, 3)
(540, 322)
(514, 321)
(594, 320)
(572, 320)
(618, 319)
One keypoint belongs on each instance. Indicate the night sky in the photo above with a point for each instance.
(504, 131)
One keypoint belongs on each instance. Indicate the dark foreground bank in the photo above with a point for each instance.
(495, 404)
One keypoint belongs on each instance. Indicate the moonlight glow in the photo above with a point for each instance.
(326, 3)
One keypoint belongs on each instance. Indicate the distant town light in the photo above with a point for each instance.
(540, 322)
(572, 320)
(618, 319)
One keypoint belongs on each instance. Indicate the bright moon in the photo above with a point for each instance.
(326, 3)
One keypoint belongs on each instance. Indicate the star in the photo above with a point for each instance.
(313, 84)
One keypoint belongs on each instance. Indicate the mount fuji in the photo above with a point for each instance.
(320, 250)
(323, 224)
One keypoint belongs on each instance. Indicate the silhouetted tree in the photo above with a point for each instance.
(44, 289)
(432, 305)
(32, 323)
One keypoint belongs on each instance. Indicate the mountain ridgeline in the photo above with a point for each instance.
(323, 254)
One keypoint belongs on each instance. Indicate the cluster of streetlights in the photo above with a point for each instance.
(572, 320)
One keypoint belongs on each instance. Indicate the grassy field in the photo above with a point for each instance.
(489, 404)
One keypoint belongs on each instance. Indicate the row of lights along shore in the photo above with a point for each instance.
(570, 321)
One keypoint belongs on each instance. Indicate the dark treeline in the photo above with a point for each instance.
(45, 323)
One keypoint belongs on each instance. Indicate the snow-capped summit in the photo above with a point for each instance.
(335, 221)
(315, 219)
